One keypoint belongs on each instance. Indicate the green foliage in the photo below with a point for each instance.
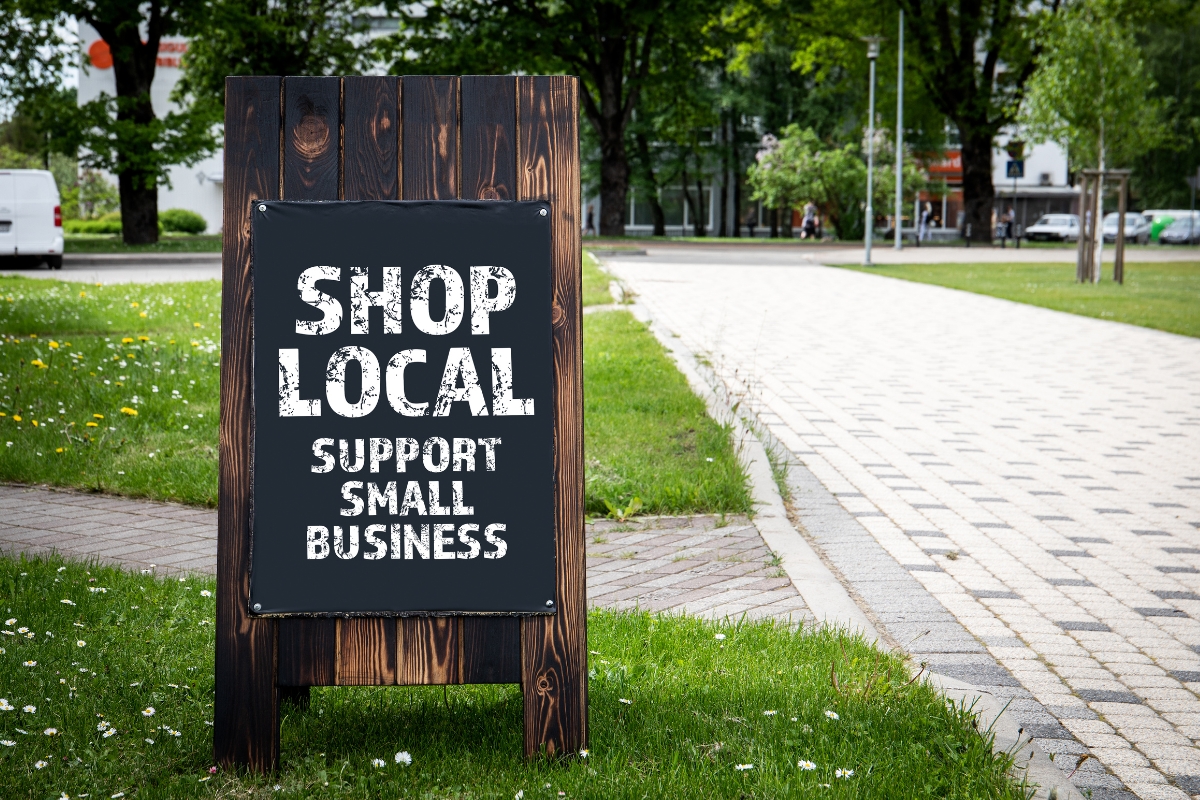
(674, 705)
(799, 168)
(180, 220)
(15, 159)
(255, 37)
(1091, 91)
(1158, 295)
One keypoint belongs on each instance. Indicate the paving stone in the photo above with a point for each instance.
(1064, 512)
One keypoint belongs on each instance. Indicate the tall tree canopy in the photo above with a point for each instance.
(615, 46)
(121, 134)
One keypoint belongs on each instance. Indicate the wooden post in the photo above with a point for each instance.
(1122, 199)
(387, 138)
(246, 706)
(1081, 246)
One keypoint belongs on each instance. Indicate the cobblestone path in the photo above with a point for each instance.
(1037, 473)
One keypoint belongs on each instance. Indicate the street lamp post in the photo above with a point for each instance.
(872, 55)
(900, 138)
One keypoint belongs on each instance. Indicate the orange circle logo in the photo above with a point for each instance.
(100, 55)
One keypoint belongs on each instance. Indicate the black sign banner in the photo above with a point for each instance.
(403, 450)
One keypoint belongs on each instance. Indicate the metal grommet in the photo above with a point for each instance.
(549, 603)
(262, 207)
(258, 606)
(541, 213)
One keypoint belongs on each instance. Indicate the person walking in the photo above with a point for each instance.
(926, 214)
(590, 228)
(752, 220)
(809, 223)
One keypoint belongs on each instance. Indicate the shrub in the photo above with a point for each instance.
(109, 223)
(180, 220)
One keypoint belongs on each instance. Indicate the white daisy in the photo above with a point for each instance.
(404, 757)
(744, 767)
(148, 711)
(51, 731)
(720, 637)
(832, 714)
(30, 709)
(626, 702)
(378, 762)
(5, 705)
(844, 773)
(8, 742)
(39, 764)
(205, 593)
(770, 713)
(806, 765)
(81, 643)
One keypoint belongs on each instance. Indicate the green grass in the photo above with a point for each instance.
(167, 243)
(1163, 296)
(697, 708)
(595, 282)
(646, 434)
(168, 373)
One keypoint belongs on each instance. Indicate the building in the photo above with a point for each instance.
(197, 188)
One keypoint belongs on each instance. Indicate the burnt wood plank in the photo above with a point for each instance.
(311, 138)
(245, 709)
(430, 146)
(366, 651)
(491, 646)
(428, 647)
(371, 133)
(554, 648)
(489, 129)
(311, 146)
(427, 650)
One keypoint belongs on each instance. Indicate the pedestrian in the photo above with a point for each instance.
(590, 229)
(809, 223)
(752, 220)
(926, 214)
(1006, 226)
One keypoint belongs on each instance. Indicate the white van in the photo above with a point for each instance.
(31, 216)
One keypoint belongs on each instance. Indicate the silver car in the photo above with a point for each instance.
(1181, 231)
(1054, 228)
(1137, 229)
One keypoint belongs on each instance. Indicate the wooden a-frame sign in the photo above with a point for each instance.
(422, 138)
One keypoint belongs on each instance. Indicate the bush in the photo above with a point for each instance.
(109, 223)
(181, 220)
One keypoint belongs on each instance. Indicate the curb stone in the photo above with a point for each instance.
(827, 597)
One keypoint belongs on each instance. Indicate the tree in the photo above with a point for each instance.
(121, 134)
(615, 46)
(972, 57)
(1091, 92)
(799, 167)
(273, 37)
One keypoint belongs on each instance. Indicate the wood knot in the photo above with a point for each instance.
(544, 686)
(557, 315)
(489, 193)
(311, 137)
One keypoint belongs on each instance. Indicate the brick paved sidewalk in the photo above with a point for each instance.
(1036, 474)
(702, 565)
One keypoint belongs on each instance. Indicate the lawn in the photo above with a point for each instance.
(1162, 296)
(116, 671)
(168, 243)
(115, 388)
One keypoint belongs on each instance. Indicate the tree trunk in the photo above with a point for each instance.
(134, 62)
(785, 216)
(726, 172)
(773, 218)
(647, 165)
(979, 194)
(737, 196)
(700, 223)
(614, 184)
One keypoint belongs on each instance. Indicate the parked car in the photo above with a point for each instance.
(1160, 218)
(1054, 228)
(1181, 231)
(30, 216)
(1137, 229)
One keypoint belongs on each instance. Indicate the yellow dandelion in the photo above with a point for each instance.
(34, 335)
(92, 425)
(34, 423)
(197, 325)
(142, 314)
(143, 338)
(133, 305)
(53, 345)
(97, 416)
(58, 450)
(16, 417)
(195, 344)
(130, 411)
(127, 340)
(172, 341)
(37, 362)
(83, 294)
